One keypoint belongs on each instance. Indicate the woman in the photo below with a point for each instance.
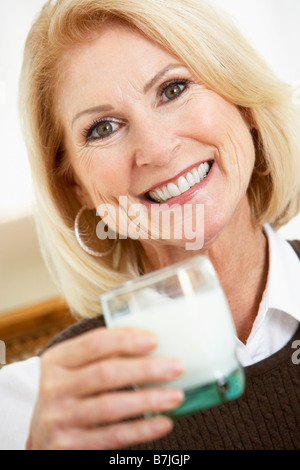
(122, 99)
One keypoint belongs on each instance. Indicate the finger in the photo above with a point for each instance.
(117, 406)
(116, 373)
(100, 343)
(116, 436)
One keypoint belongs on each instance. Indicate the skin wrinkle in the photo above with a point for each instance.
(159, 139)
(238, 160)
(235, 152)
(94, 110)
(191, 97)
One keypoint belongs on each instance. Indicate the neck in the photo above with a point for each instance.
(239, 255)
(241, 262)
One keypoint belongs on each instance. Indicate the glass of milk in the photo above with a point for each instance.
(184, 305)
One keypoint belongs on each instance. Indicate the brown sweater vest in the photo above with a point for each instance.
(265, 417)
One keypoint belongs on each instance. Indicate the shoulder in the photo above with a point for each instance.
(296, 246)
(19, 385)
(23, 371)
(82, 326)
(88, 324)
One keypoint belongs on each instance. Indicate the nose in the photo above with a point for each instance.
(154, 142)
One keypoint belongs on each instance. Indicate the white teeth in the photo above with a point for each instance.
(160, 194)
(201, 171)
(184, 183)
(173, 189)
(166, 192)
(153, 196)
(190, 179)
(195, 174)
(206, 166)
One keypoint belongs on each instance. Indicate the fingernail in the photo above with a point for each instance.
(172, 369)
(146, 341)
(160, 424)
(171, 398)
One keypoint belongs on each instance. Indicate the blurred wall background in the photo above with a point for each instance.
(272, 27)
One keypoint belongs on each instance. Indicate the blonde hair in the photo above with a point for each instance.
(213, 49)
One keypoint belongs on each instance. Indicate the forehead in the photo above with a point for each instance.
(117, 57)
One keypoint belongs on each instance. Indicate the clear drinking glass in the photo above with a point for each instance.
(184, 305)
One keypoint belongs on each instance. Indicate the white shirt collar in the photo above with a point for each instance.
(279, 311)
(282, 291)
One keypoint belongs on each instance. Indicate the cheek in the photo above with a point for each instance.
(223, 127)
(215, 121)
(100, 174)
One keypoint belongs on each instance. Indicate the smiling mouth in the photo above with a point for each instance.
(180, 185)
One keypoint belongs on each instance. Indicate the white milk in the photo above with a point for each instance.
(198, 330)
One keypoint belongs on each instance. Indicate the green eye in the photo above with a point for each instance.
(101, 129)
(172, 91)
(104, 129)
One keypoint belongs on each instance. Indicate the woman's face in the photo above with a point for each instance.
(138, 125)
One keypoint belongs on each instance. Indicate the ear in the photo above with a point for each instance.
(81, 193)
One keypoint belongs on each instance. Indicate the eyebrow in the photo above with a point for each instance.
(95, 109)
(160, 75)
(147, 87)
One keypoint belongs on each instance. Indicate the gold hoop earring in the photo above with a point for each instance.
(85, 248)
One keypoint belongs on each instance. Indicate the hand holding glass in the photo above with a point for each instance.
(184, 305)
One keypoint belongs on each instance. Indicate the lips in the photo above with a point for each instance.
(181, 184)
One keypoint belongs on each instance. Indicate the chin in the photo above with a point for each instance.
(214, 226)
